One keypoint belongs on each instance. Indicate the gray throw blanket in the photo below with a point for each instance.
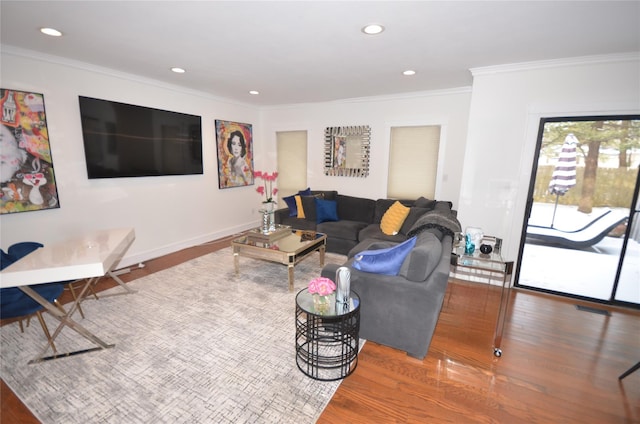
(444, 221)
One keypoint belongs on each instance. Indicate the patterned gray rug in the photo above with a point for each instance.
(195, 344)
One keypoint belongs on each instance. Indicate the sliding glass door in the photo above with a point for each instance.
(627, 285)
(581, 231)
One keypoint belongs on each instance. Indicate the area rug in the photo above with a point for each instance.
(195, 344)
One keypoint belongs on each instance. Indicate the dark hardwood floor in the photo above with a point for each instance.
(560, 364)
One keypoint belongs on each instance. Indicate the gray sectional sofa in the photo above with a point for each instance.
(400, 311)
(358, 218)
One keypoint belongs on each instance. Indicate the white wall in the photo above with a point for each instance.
(506, 107)
(485, 170)
(168, 213)
(446, 108)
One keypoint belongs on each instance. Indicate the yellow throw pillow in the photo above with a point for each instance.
(393, 218)
(299, 206)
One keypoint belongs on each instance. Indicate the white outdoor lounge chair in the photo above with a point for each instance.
(586, 236)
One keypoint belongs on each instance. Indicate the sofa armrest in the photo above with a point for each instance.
(369, 244)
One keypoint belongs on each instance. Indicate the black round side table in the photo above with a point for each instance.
(327, 342)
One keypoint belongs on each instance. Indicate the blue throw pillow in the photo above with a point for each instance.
(384, 261)
(326, 210)
(291, 203)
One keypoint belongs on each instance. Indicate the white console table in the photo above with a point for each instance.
(87, 257)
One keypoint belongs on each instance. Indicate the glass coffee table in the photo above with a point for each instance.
(288, 249)
(327, 341)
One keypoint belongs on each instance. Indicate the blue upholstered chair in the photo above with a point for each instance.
(19, 250)
(23, 248)
(14, 303)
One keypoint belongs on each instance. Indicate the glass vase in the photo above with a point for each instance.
(343, 285)
(322, 304)
(268, 217)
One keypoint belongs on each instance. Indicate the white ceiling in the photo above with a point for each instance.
(311, 51)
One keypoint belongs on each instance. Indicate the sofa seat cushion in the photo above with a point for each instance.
(384, 261)
(373, 231)
(343, 229)
(423, 258)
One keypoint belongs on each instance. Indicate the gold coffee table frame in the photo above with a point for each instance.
(288, 250)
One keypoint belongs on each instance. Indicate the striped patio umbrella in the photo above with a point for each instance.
(564, 174)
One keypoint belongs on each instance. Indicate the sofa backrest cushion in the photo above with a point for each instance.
(355, 208)
(308, 209)
(414, 213)
(423, 202)
(384, 261)
(423, 258)
(443, 206)
(324, 194)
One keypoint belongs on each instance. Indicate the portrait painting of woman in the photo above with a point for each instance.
(235, 154)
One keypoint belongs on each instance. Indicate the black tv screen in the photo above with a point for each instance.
(123, 140)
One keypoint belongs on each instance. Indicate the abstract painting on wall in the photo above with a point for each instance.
(27, 178)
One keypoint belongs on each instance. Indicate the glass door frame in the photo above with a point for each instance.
(530, 202)
(633, 219)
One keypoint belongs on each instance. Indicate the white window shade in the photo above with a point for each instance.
(413, 162)
(292, 163)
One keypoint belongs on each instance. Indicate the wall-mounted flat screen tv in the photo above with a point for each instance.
(123, 140)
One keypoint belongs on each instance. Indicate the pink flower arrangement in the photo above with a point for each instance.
(266, 189)
(321, 286)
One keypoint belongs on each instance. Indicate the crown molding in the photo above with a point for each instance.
(384, 98)
(58, 60)
(409, 95)
(555, 63)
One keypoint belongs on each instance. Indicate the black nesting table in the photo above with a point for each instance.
(327, 342)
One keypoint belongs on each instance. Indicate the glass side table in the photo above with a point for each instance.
(490, 263)
(327, 343)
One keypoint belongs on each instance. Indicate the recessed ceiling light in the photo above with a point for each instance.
(254, 92)
(373, 29)
(51, 31)
(409, 72)
(178, 70)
